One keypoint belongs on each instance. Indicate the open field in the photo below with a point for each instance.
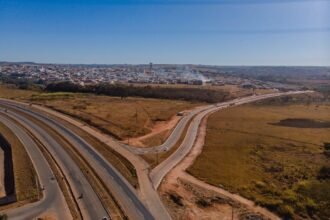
(273, 153)
(122, 118)
(24, 173)
(11, 92)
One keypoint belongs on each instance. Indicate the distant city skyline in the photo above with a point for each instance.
(250, 32)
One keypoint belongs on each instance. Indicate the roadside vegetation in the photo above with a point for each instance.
(159, 92)
(25, 178)
(12, 92)
(275, 152)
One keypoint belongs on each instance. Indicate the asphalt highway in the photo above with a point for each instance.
(53, 199)
(146, 191)
(90, 205)
(124, 193)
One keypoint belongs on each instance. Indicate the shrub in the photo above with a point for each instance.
(176, 199)
(326, 146)
(324, 173)
(203, 203)
(286, 211)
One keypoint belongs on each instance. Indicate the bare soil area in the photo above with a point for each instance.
(159, 131)
(187, 201)
(2, 177)
(48, 216)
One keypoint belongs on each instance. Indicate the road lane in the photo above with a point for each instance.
(178, 130)
(53, 199)
(124, 193)
(160, 171)
(172, 139)
(90, 205)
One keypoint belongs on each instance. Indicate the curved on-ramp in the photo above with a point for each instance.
(53, 200)
(90, 205)
(160, 171)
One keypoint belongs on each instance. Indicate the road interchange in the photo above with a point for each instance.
(149, 181)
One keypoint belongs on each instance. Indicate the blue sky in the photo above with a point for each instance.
(217, 32)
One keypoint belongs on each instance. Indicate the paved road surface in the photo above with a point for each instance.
(172, 139)
(178, 130)
(147, 188)
(53, 199)
(90, 205)
(124, 193)
(146, 191)
(159, 172)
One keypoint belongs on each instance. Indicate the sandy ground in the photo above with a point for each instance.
(218, 203)
(156, 129)
(2, 172)
(48, 216)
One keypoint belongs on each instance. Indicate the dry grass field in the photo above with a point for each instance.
(11, 92)
(24, 173)
(122, 118)
(273, 153)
